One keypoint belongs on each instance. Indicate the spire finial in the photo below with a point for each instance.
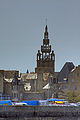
(46, 28)
(46, 31)
(46, 21)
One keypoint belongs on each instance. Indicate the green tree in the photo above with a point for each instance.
(73, 97)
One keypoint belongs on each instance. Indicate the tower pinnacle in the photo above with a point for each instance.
(46, 33)
(46, 28)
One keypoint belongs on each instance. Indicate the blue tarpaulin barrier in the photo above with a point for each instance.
(5, 102)
(54, 99)
(31, 102)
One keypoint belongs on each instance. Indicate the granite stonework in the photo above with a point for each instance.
(33, 96)
(38, 111)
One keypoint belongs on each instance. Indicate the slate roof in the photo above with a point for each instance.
(67, 68)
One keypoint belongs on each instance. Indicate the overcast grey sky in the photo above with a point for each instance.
(22, 24)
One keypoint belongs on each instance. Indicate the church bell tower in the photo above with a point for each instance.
(45, 58)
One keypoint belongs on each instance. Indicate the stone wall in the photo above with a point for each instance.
(39, 111)
(33, 96)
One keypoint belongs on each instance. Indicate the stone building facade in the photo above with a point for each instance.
(3, 96)
(29, 80)
(1, 85)
(72, 83)
(74, 80)
(6, 85)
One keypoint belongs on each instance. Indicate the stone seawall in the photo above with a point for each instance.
(39, 111)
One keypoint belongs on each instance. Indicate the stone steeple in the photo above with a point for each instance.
(45, 59)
